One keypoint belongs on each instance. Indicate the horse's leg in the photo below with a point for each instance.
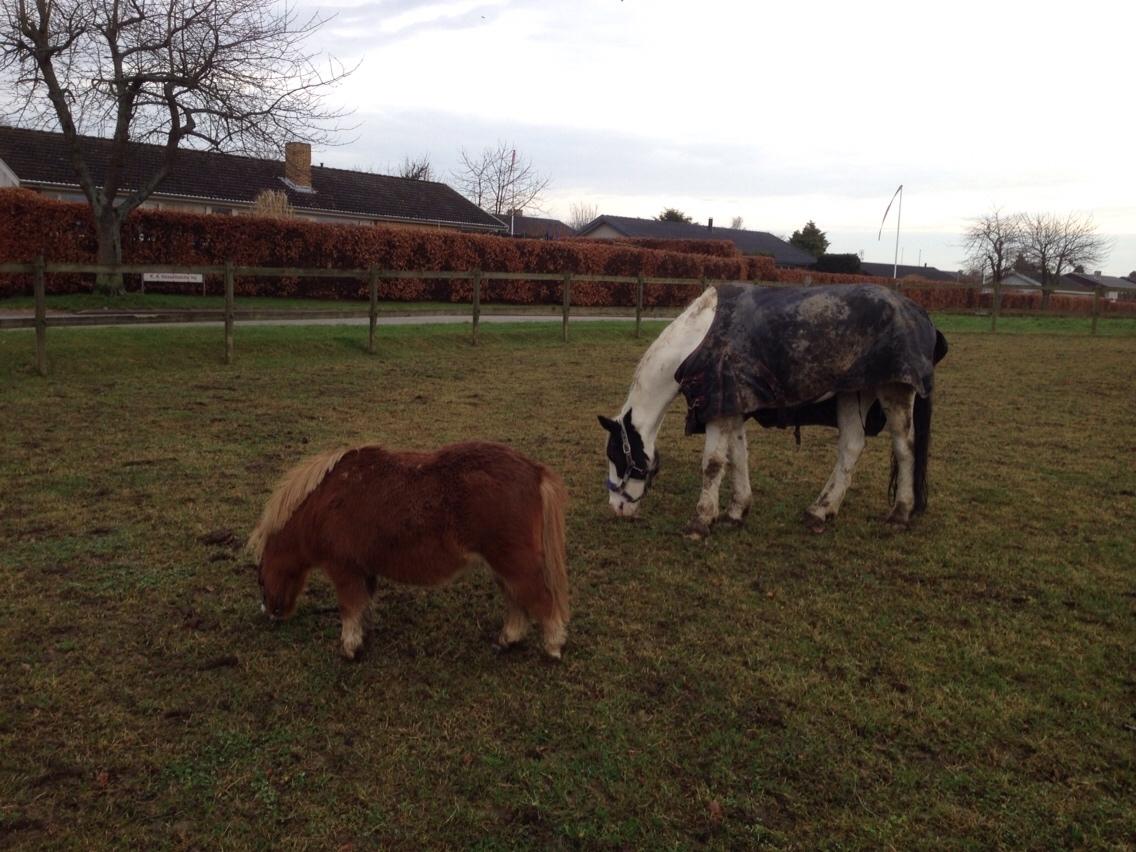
(521, 577)
(850, 411)
(714, 457)
(516, 623)
(354, 592)
(742, 493)
(898, 402)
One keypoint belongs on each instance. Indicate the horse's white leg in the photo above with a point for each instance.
(742, 493)
(714, 457)
(898, 402)
(851, 409)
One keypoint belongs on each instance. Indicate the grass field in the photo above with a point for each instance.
(968, 683)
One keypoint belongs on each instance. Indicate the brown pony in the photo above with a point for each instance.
(364, 512)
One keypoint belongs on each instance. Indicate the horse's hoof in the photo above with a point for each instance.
(897, 522)
(814, 524)
(697, 531)
(732, 523)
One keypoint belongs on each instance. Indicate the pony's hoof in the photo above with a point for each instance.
(897, 521)
(731, 522)
(501, 647)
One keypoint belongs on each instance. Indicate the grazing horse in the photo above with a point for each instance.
(365, 512)
(857, 357)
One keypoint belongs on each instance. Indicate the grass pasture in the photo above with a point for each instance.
(968, 683)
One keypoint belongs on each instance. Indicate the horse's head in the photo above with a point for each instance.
(629, 470)
(280, 586)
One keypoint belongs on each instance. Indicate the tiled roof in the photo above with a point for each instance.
(39, 157)
(748, 242)
(535, 226)
(1109, 282)
(885, 270)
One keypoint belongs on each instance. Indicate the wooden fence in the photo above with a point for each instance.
(39, 270)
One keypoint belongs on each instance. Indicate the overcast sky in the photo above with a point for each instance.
(778, 113)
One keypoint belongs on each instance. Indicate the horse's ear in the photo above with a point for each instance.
(609, 424)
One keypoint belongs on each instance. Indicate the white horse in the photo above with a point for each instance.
(633, 458)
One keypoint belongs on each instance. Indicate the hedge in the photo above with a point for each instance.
(31, 225)
(62, 231)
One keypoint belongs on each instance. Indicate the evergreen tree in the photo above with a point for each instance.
(811, 239)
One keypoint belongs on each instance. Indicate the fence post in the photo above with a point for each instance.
(638, 304)
(567, 301)
(1096, 307)
(373, 284)
(228, 312)
(995, 305)
(476, 302)
(39, 288)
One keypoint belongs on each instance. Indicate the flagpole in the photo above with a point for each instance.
(898, 219)
(895, 259)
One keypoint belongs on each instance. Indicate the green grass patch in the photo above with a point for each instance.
(965, 684)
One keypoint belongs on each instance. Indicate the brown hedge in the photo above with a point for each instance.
(31, 225)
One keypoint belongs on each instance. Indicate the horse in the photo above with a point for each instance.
(856, 357)
(418, 518)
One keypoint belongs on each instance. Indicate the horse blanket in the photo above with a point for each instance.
(780, 355)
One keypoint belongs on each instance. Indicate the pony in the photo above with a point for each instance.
(856, 357)
(365, 512)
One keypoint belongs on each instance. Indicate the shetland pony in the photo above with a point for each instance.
(365, 512)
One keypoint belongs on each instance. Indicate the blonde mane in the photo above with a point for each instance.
(290, 492)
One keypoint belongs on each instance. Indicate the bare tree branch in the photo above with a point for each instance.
(499, 180)
(209, 74)
(992, 242)
(581, 215)
(418, 168)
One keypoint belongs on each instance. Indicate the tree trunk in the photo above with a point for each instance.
(108, 230)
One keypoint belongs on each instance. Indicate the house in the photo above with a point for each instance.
(1111, 286)
(227, 184)
(748, 242)
(891, 270)
(536, 227)
(1019, 280)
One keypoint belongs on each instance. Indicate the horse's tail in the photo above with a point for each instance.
(290, 492)
(554, 499)
(922, 450)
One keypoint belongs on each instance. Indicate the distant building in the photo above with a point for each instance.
(536, 227)
(889, 270)
(227, 184)
(748, 242)
(1111, 286)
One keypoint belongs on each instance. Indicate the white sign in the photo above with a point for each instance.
(176, 277)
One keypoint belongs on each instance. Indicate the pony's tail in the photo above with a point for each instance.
(554, 499)
(922, 450)
(290, 492)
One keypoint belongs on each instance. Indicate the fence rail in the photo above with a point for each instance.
(39, 270)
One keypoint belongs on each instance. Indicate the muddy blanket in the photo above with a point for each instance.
(778, 355)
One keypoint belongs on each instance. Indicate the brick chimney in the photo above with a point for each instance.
(710, 224)
(298, 164)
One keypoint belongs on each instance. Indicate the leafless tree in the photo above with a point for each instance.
(499, 179)
(737, 223)
(582, 215)
(418, 168)
(210, 74)
(1078, 244)
(992, 242)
